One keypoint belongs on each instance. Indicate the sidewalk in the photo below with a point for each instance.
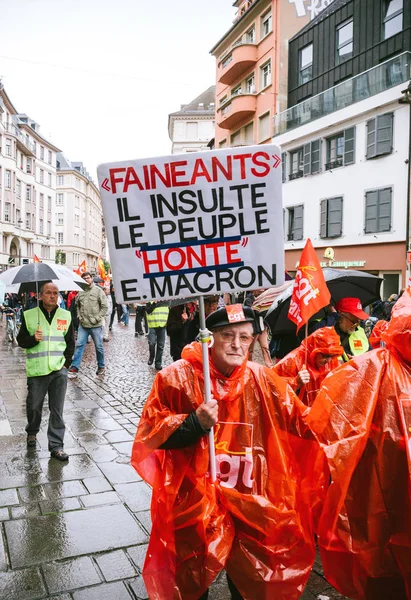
(79, 530)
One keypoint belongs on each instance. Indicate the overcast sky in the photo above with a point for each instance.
(101, 76)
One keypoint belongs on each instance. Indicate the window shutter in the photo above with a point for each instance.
(384, 134)
(335, 217)
(371, 213)
(315, 156)
(298, 222)
(371, 145)
(307, 159)
(323, 219)
(284, 166)
(384, 209)
(349, 146)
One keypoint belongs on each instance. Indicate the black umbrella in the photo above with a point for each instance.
(34, 272)
(342, 283)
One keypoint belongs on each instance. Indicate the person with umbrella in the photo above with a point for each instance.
(346, 318)
(47, 336)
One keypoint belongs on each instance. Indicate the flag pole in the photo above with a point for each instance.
(205, 338)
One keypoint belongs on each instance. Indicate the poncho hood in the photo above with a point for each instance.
(397, 336)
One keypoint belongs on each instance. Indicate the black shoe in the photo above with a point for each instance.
(158, 367)
(100, 371)
(59, 454)
(31, 441)
(150, 361)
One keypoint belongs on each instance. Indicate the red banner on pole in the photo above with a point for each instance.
(81, 268)
(310, 292)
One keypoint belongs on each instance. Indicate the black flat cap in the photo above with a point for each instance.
(240, 314)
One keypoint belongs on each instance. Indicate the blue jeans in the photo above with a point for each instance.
(54, 384)
(82, 337)
(126, 314)
(156, 340)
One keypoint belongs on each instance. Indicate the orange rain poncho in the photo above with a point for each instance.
(325, 341)
(255, 520)
(375, 337)
(362, 418)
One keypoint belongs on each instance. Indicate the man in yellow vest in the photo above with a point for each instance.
(47, 336)
(346, 318)
(157, 315)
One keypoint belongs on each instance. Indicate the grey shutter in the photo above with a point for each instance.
(335, 217)
(384, 134)
(298, 222)
(384, 209)
(284, 166)
(371, 145)
(349, 146)
(307, 159)
(371, 211)
(323, 219)
(315, 156)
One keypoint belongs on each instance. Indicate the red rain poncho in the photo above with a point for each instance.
(324, 340)
(362, 418)
(255, 520)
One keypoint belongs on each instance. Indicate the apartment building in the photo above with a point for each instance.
(27, 187)
(192, 127)
(345, 139)
(252, 61)
(78, 215)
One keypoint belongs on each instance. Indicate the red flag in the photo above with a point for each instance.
(81, 268)
(36, 258)
(101, 270)
(310, 292)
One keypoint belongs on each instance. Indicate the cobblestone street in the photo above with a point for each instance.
(79, 531)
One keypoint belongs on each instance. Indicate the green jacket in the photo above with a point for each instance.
(91, 306)
(48, 355)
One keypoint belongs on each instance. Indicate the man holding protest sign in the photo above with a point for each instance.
(255, 521)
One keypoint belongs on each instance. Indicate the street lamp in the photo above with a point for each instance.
(19, 224)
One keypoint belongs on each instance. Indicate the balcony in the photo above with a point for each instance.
(23, 143)
(240, 59)
(389, 74)
(334, 164)
(237, 109)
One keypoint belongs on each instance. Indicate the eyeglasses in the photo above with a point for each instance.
(228, 337)
(351, 321)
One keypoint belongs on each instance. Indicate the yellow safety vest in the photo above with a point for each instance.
(358, 343)
(158, 317)
(48, 355)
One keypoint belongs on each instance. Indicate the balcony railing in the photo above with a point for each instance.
(296, 175)
(21, 139)
(334, 164)
(389, 74)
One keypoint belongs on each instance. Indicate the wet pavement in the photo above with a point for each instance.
(79, 530)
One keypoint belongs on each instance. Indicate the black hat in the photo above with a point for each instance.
(243, 314)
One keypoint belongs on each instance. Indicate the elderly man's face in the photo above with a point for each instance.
(348, 323)
(49, 296)
(230, 347)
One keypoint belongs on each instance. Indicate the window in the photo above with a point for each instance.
(7, 212)
(18, 188)
(378, 210)
(28, 193)
(306, 64)
(42, 152)
(77, 220)
(49, 157)
(379, 135)
(235, 139)
(284, 166)
(344, 41)
(266, 24)
(77, 183)
(331, 218)
(250, 36)
(41, 226)
(265, 75)
(28, 165)
(7, 179)
(48, 227)
(28, 220)
(192, 131)
(60, 238)
(41, 176)
(77, 203)
(60, 199)
(8, 147)
(312, 157)
(60, 219)
(341, 149)
(250, 85)
(296, 163)
(236, 91)
(227, 61)
(49, 203)
(50, 181)
(392, 21)
(295, 223)
(222, 143)
(60, 180)
(264, 127)
(249, 134)
(41, 200)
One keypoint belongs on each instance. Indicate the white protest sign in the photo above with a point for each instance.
(193, 224)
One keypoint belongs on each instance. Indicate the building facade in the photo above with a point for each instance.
(78, 215)
(252, 59)
(345, 139)
(192, 127)
(27, 188)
